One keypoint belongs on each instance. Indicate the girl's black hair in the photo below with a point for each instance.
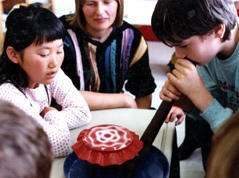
(25, 26)
(177, 20)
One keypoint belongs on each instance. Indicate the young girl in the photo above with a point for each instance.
(30, 75)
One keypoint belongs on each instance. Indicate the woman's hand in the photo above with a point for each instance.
(97, 101)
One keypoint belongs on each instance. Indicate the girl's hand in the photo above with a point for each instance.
(46, 109)
(175, 112)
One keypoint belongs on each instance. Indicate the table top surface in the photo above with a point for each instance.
(135, 120)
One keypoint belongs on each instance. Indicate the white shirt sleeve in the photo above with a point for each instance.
(74, 107)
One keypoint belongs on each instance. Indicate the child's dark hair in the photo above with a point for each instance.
(25, 26)
(177, 20)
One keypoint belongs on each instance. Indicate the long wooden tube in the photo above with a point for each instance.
(154, 126)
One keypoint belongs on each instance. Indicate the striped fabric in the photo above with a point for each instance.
(79, 65)
(110, 67)
(119, 63)
(94, 79)
(127, 39)
(142, 48)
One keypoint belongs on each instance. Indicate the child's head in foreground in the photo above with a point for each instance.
(174, 21)
(223, 161)
(25, 151)
(27, 26)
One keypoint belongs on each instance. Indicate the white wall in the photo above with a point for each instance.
(62, 7)
(135, 11)
(139, 12)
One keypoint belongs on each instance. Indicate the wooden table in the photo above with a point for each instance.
(135, 120)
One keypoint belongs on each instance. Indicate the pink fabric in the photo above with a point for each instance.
(56, 124)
